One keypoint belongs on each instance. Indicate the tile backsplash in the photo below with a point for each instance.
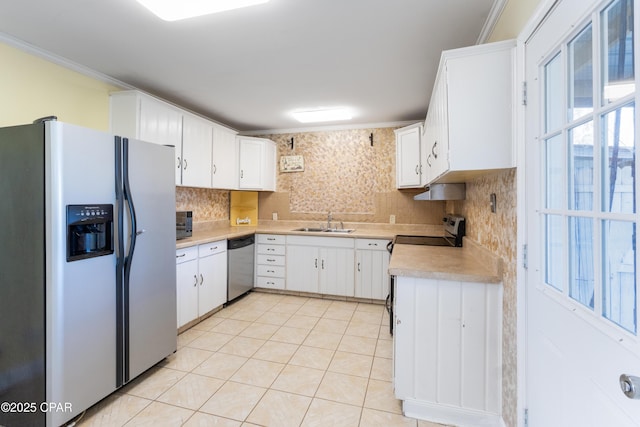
(207, 204)
(347, 175)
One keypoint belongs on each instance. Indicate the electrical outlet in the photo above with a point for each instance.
(392, 219)
(274, 216)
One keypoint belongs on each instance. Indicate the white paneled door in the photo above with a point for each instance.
(582, 219)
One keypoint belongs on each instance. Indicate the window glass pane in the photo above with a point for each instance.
(581, 74)
(619, 293)
(581, 167)
(617, 51)
(554, 172)
(619, 160)
(554, 99)
(554, 259)
(581, 267)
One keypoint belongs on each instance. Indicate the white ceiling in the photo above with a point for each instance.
(251, 67)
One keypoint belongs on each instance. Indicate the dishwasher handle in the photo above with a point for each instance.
(241, 242)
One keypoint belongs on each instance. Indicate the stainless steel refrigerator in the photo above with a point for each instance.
(87, 267)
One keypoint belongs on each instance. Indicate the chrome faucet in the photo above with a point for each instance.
(329, 219)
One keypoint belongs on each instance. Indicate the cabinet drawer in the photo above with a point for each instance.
(212, 248)
(271, 239)
(271, 249)
(271, 259)
(270, 271)
(186, 254)
(373, 244)
(270, 282)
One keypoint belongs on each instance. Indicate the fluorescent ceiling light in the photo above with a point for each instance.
(322, 115)
(173, 10)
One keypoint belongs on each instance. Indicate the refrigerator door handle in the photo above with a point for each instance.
(128, 260)
(120, 296)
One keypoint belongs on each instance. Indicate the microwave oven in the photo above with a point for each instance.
(184, 224)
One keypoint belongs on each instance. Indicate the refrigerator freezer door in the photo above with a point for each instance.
(152, 281)
(80, 297)
(22, 263)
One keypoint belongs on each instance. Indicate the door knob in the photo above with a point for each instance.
(630, 386)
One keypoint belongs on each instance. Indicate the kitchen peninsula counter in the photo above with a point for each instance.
(471, 263)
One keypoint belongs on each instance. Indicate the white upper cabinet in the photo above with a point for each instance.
(257, 160)
(224, 167)
(139, 116)
(136, 115)
(469, 127)
(197, 136)
(408, 164)
(206, 152)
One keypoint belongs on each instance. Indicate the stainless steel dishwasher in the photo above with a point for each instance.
(240, 253)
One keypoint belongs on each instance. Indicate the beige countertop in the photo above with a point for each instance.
(471, 263)
(363, 231)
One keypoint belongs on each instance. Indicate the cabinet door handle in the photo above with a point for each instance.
(201, 279)
(195, 280)
(271, 260)
(417, 169)
(433, 150)
(271, 249)
(241, 173)
(179, 162)
(185, 164)
(181, 255)
(271, 271)
(429, 160)
(358, 266)
(215, 169)
(323, 264)
(316, 262)
(271, 283)
(213, 248)
(373, 244)
(271, 239)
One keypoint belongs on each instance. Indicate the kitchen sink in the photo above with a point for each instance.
(324, 230)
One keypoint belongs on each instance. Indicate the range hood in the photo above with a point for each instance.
(443, 192)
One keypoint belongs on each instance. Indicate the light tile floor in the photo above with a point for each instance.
(269, 360)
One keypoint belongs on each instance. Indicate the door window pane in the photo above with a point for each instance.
(619, 160)
(555, 171)
(617, 51)
(581, 267)
(553, 94)
(581, 167)
(581, 74)
(619, 293)
(554, 258)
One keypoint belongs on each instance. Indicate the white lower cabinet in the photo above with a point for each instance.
(322, 265)
(372, 265)
(448, 350)
(187, 284)
(270, 261)
(201, 280)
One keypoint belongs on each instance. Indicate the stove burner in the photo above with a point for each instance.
(423, 240)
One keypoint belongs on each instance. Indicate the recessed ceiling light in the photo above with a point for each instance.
(323, 115)
(173, 10)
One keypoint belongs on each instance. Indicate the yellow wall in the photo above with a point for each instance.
(513, 19)
(32, 87)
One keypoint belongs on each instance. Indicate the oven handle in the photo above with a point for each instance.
(387, 306)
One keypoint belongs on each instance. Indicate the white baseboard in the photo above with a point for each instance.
(452, 415)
